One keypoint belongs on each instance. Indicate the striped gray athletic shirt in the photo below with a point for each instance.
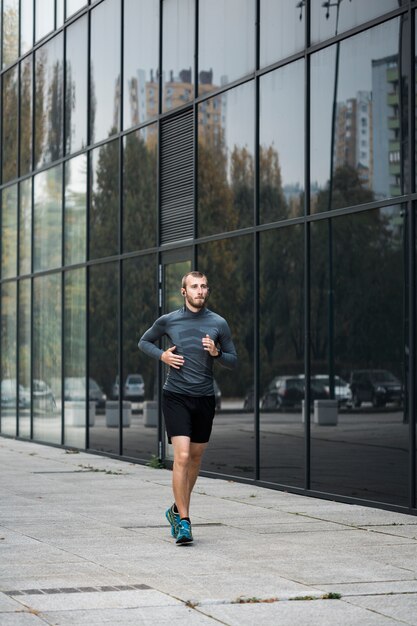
(185, 330)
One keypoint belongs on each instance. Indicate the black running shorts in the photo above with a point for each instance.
(190, 416)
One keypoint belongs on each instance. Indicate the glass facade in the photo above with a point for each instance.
(268, 144)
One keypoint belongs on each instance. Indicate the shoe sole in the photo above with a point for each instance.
(184, 541)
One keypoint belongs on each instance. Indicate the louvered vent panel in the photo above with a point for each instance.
(177, 178)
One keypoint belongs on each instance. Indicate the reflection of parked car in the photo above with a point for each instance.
(217, 395)
(342, 391)
(288, 391)
(74, 389)
(134, 388)
(8, 394)
(377, 386)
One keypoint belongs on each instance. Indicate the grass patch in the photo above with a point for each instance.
(326, 596)
(90, 468)
(156, 463)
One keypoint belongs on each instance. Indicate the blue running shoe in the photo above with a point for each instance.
(174, 519)
(184, 532)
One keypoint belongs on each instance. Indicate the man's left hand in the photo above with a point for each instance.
(210, 346)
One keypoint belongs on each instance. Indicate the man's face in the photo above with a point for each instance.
(196, 292)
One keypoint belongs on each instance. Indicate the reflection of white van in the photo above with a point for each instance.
(134, 388)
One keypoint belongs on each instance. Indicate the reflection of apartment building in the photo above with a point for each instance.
(211, 112)
(353, 138)
(387, 127)
(143, 100)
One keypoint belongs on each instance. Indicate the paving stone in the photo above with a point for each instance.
(401, 607)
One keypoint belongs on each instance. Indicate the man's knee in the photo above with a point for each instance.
(182, 457)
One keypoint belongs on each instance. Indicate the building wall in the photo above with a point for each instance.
(141, 138)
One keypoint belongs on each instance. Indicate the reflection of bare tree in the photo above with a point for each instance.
(10, 108)
(104, 209)
(10, 35)
(26, 116)
(139, 187)
(55, 113)
(367, 264)
(48, 106)
(281, 302)
(272, 202)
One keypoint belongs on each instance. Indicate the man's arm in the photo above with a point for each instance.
(147, 345)
(150, 337)
(228, 356)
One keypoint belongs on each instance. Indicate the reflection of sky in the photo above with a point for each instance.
(105, 64)
(282, 119)
(178, 36)
(355, 74)
(240, 116)
(351, 13)
(226, 38)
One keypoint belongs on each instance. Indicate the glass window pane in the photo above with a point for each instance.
(76, 86)
(9, 232)
(75, 210)
(104, 208)
(226, 42)
(75, 390)
(48, 219)
(139, 189)
(10, 116)
(26, 26)
(281, 139)
(49, 90)
(8, 393)
(226, 131)
(141, 53)
(24, 331)
(177, 53)
(103, 355)
(105, 70)
(47, 382)
(72, 6)
(281, 356)
(229, 265)
(139, 313)
(339, 16)
(282, 29)
(45, 18)
(10, 31)
(25, 227)
(59, 13)
(26, 113)
(360, 161)
(365, 454)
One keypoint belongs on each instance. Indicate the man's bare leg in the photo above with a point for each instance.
(180, 478)
(187, 462)
(196, 456)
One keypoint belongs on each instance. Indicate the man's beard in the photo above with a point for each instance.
(198, 303)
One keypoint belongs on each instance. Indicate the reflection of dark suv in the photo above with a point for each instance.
(376, 386)
(288, 391)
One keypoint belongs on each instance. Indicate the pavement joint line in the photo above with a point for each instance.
(92, 589)
(196, 524)
(371, 610)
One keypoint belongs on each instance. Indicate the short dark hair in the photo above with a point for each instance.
(193, 273)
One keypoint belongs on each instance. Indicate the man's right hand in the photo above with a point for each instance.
(171, 359)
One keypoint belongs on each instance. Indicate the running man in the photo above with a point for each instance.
(197, 337)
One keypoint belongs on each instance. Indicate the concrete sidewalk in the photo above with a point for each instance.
(83, 541)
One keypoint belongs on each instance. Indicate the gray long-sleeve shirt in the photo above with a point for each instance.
(185, 330)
